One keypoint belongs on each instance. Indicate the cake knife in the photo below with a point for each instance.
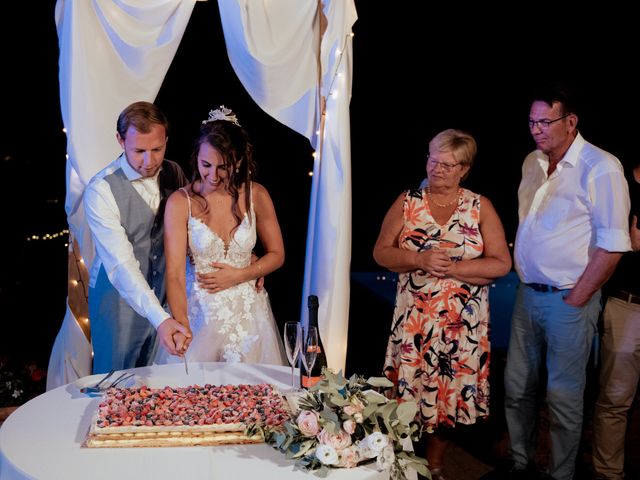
(186, 369)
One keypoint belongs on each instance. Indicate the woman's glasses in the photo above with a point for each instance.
(446, 167)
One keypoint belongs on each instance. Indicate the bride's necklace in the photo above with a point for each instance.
(444, 205)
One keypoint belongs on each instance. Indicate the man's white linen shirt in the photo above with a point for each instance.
(113, 249)
(582, 205)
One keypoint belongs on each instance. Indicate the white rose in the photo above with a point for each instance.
(327, 454)
(377, 441)
(364, 451)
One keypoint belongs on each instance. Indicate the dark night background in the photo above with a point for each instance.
(417, 71)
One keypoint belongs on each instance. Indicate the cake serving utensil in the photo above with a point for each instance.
(96, 387)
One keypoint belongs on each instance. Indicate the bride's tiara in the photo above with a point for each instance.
(222, 113)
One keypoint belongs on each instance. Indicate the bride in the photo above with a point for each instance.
(215, 220)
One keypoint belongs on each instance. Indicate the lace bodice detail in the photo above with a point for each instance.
(207, 247)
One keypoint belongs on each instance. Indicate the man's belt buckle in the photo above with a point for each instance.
(543, 287)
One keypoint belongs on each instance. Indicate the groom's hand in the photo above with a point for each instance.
(166, 332)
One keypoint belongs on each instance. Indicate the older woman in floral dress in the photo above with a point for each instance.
(447, 244)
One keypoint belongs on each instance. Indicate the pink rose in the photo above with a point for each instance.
(338, 440)
(308, 423)
(349, 426)
(348, 457)
(349, 410)
(356, 406)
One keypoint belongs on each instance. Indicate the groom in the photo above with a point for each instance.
(124, 205)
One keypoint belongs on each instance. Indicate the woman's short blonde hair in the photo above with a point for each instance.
(462, 145)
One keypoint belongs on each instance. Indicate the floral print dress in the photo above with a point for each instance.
(438, 350)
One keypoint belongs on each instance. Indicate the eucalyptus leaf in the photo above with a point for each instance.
(339, 401)
(407, 412)
(304, 447)
(369, 410)
(322, 472)
(388, 411)
(330, 415)
(383, 382)
(374, 397)
(421, 469)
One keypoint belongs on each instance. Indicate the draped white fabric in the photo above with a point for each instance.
(112, 53)
(71, 354)
(274, 53)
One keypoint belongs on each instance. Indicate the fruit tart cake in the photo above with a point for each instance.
(185, 416)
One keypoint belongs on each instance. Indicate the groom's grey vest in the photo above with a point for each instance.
(144, 230)
(122, 338)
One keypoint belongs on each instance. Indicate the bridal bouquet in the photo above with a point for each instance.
(345, 423)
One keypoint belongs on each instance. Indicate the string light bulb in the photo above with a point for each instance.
(48, 236)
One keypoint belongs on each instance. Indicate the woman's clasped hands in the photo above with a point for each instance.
(436, 262)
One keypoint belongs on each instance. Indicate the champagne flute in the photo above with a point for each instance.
(310, 351)
(292, 345)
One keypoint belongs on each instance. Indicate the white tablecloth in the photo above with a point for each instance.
(43, 438)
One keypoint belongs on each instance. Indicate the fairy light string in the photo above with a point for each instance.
(78, 288)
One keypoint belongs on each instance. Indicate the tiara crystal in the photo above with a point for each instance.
(222, 113)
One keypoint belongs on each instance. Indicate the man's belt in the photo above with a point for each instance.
(543, 287)
(626, 296)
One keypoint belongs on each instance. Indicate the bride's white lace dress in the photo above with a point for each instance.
(236, 324)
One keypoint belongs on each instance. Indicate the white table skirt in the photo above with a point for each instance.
(43, 438)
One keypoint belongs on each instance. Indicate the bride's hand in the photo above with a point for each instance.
(182, 342)
(259, 280)
(224, 277)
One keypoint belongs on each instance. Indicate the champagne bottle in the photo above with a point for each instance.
(321, 358)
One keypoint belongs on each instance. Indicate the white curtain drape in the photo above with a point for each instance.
(112, 53)
(274, 52)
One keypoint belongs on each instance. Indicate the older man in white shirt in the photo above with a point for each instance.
(124, 206)
(573, 211)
